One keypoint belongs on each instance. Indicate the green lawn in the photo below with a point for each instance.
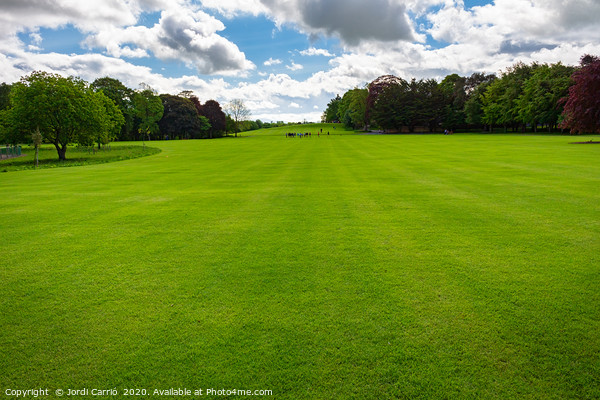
(314, 129)
(76, 156)
(341, 267)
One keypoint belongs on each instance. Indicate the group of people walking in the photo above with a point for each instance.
(305, 134)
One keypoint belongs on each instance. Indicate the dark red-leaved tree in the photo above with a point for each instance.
(212, 110)
(582, 108)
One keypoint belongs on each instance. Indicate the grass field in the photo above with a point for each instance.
(76, 156)
(341, 267)
(315, 129)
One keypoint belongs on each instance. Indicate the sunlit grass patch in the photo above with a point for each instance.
(340, 267)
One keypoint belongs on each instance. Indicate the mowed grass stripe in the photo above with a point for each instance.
(463, 240)
(355, 267)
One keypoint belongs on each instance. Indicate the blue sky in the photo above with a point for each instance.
(287, 59)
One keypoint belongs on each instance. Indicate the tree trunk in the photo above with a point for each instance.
(62, 151)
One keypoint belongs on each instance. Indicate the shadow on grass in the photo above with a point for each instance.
(48, 157)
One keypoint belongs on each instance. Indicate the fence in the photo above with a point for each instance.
(10, 152)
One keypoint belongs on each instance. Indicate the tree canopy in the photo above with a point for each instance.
(215, 116)
(524, 96)
(353, 107)
(122, 96)
(149, 110)
(582, 107)
(65, 110)
(331, 112)
(180, 118)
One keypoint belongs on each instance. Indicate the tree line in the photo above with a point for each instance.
(524, 97)
(69, 110)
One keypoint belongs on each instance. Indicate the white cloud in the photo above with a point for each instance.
(260, 105)
(180, 34)
(288, 117)
(294, 105)
(316, 52)
(85, 15)
(515, 25)
(294, 67)
(272, 61)
(233, 8)
(35, 38)
(184, 32)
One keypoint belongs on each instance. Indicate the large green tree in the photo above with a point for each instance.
(539, 101)
(393, 107)
(474, 105)
(430, 104)
(475, 87)
(4, 105)
(122, 96)
(500, 101)
(495, 109)
(65, 110)
(148, 110)
(452, 89)
(331, 112)
(352, 108)
(4, 95)
(112, 122)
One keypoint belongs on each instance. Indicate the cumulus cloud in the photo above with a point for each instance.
(353, 21)
(85, 15)
(491, 37)
(181, 34)
(515, 26)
